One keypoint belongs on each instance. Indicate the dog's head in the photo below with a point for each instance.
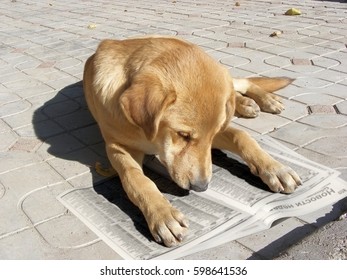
(182, 117)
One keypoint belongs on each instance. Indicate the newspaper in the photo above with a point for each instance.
(235, 205)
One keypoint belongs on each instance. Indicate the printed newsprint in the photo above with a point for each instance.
(236, 204)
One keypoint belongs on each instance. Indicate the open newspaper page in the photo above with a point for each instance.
(310, 201)
(236, 204)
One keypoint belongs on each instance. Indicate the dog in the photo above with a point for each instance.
(167, 97)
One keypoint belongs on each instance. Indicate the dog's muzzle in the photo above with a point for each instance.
(199, 186)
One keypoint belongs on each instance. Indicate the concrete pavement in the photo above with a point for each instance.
(49, 140)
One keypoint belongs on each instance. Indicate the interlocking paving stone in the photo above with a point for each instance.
(334, 146)
(44, 198)
(65, 231)
(342, 107)
(321, 109)
(263, 124)
(313, 98)
(44, 122)
(267, 243)
(26, 144)
(31, 177)
(325, 120)
(13, 220)
(13, 108)
(301, 61)
(8, 138)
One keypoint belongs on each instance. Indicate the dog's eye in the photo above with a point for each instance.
(185, 135)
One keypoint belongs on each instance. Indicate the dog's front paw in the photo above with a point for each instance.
(167, 225)
(271, 103)
(278, 177)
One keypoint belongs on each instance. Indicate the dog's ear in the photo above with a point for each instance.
(145, 105)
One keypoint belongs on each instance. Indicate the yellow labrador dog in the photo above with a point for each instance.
(165, 96)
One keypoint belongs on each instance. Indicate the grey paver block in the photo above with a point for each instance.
(336, 89)
(69, 63)
(76, 120)
(13, 219)
(74, 163)
(342, 107)
(297, 133)
(46, 64)
(301, 61)
(17, 121)
(28, 245)
(235, 61)
(321, 109)
(325, 215)
(13, 108)
(59, 145)
(326, 243)
(325, 62)
(334, 146)
(41, 204)
(60, 109)
(311, 83)
(37, 90)
(8, 138)
(26, 144)
(257, 65)
(276, 50)
(2, 191)
(43, 51)
(334, 45)
(263, 124)
(236, 44)
(293, 110)
(331, 75)
(61, 83)
(96, 251)
(338, 163)
(32, 177)
(43, 75)
(66, 231)
(23, 83)
(42, 130)
(313, 98)
(277, 61)
(304, 69)
(86, 179)
(11, 160)
(325, 121)
(3, 126)
(298, 54)
(281, 236)
(256, 44)
(89, 135)
(46, 99)
(229, 251)
(28, 63)
(7, 97)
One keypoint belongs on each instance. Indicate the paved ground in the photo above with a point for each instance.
(49, 141)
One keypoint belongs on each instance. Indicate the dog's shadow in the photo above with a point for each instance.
(66, 126)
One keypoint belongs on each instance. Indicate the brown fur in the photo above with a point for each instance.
(165, 96)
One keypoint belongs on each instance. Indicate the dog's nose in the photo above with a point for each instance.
(199, 186)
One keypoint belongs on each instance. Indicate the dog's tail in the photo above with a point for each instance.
(243, 85)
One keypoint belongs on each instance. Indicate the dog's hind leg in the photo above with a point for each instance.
(261, 91)
(246, 107)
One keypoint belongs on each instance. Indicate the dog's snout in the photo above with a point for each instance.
(199, 186)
